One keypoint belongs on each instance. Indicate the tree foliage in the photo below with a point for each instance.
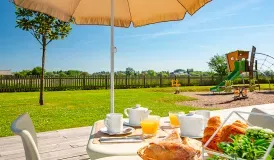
(41, 25)
(130, 71)
(218, 64)
(37, 71)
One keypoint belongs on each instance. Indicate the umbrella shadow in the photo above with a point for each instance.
(226, 102)
(268, 92)
(211, 94)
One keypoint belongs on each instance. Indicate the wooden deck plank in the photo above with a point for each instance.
(61, 144)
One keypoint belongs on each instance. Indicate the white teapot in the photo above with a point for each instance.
(136, 114)
(191, 125)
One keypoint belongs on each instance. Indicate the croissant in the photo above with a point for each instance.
(233, 129)
(240, 124)
(214, 121)
(212, 125)
(214, 142)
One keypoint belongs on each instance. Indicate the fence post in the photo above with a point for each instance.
(30, 82)
(126, 82)
(144, 81)
(1, 87)
(161, 82)
(60, 81)
(84, 81)
(201, 79)
(106, 81)
(188, 80)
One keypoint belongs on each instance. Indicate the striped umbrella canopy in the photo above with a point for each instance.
(119, 13)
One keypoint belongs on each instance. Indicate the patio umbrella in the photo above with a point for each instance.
(119, 13)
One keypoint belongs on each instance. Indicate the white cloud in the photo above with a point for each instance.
(159, 34)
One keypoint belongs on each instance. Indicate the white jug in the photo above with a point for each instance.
(136, 114)
(191, 125)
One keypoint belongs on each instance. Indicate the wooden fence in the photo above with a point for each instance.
(32, 83)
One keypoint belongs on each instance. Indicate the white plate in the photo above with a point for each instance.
(126, 130)
(194, 137)
(126, 123)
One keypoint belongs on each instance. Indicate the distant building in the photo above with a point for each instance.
(6, 73)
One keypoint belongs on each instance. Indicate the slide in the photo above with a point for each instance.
(239, 66)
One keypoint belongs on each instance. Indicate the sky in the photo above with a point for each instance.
(220, 27)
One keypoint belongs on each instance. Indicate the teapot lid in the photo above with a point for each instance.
(138, 107)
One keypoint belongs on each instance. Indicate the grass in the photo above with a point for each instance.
(67, 109)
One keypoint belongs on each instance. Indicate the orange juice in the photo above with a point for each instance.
(150, 126)
(174, 120)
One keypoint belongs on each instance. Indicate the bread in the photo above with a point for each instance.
(173, 137)
(195, 144)
(240, 124)
(223, 134)
(167, 151)
(233, 129)
(214, 142)
(172, 148)
(212, 125)
(214, 121)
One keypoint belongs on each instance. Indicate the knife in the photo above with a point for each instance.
(131, 139)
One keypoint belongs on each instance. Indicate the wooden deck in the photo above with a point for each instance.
(70, 144)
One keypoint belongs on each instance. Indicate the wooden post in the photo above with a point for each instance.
(251, 71)
(126, 81)
(84, 81)
(201, 80)
(161, 81)
(144, 81)
(1, 79)
(60, 81)
(106, 81)
(188, 80)
(30, 82)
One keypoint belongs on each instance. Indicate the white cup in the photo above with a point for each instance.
(205, 114)
(114, 122)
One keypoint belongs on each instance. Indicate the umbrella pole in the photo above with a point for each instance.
(112, 48)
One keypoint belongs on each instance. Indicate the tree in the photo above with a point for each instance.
(218, 64)
(37, 71)
(23, 73)
(151, 72)
(179, 71)
(44, 29)
(129, 71)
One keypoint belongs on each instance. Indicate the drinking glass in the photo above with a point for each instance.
(174, 121)
(150, 126)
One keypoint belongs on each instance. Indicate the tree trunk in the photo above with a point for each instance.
(41, 101)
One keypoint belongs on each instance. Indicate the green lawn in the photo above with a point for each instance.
(81, 108)
(69, 109)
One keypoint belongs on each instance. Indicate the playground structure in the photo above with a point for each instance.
(238, 63)
(175, 83)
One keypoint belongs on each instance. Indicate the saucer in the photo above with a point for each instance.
(126, 123)
(126, 130)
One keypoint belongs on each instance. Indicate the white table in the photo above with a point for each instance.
(96, 151)
(106, 151)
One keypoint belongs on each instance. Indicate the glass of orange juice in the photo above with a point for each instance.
(173, 117)
(150, 126)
